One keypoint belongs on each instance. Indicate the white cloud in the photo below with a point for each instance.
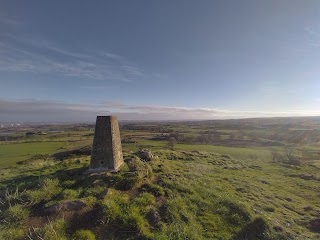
(36, 110)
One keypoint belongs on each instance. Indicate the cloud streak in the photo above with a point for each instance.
(39, 111)
(313, 37)
(40, 56)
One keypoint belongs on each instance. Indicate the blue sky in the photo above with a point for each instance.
(159, 60)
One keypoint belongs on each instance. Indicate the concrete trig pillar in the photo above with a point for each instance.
(106, 152)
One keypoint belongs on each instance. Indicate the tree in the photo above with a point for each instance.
(288, 156)
(172, 141)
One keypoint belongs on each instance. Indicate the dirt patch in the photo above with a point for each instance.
(69, 205)
(88, 218)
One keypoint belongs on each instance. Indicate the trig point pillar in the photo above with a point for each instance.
(106, 152)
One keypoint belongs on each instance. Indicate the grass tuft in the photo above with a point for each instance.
(84, 235)
(48, 189)
(16, 215)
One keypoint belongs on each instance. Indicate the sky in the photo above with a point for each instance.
(158, 60)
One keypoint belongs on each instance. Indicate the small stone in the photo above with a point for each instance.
(264, 182)
(145, 155)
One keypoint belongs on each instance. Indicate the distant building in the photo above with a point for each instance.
(42, 133)
(162, 137)
(28, 134)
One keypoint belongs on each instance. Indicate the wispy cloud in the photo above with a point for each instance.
(97, 87)
(270, 87)
(10, 22)
(306, 42)
(312, 37)
(36, 110)
(313, 30)
(40, 56)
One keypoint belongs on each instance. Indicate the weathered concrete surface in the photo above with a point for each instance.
(106, 152)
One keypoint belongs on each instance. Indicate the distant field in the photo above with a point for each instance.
(244, 183)
(238, 153)
(11, 153)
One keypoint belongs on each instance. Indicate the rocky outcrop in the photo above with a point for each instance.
(145, 155)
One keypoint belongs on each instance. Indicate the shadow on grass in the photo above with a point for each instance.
(256, 229)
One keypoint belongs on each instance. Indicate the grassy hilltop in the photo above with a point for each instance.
(233, 179)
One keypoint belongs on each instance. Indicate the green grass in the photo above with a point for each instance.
(221, 196)
(236, 152)
(48, 189)
(145, 144)
(14, 152)
(194, 192)
(84, 235)
(185, 195)
(16, 215)
(240, 153)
